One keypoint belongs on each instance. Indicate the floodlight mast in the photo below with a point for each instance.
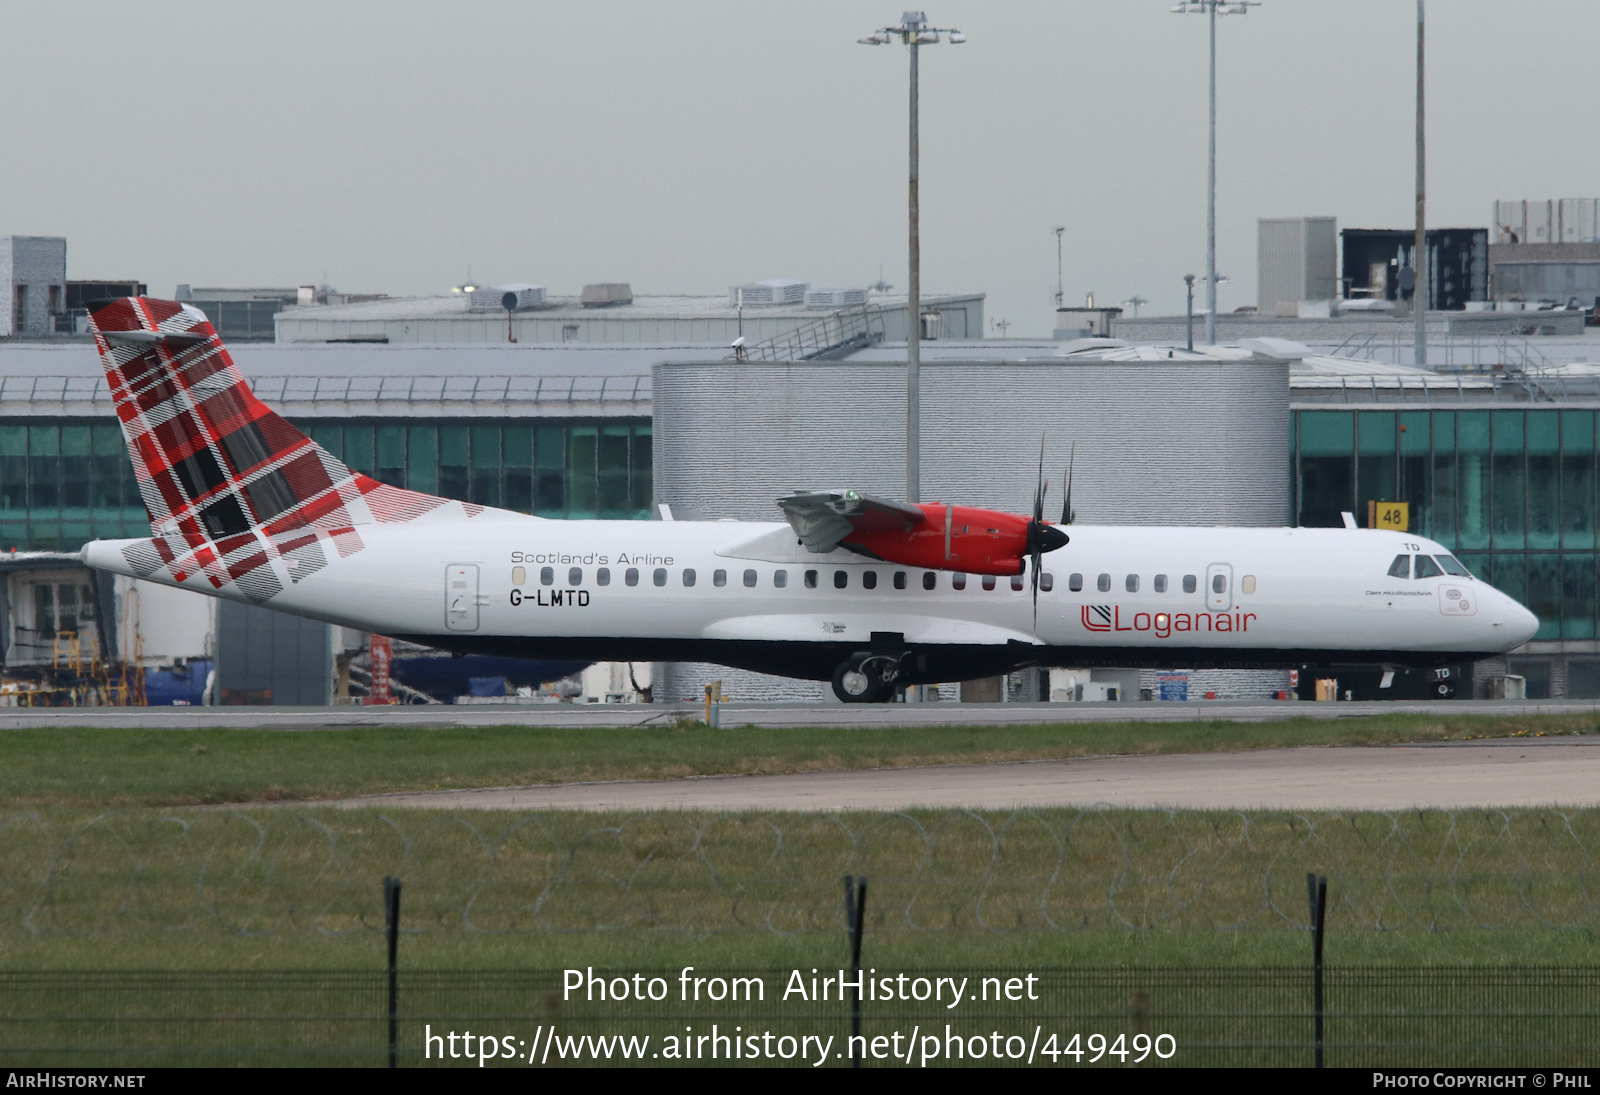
(1420, 264)
(914, 32)
(1060, 292)
(1212, 9)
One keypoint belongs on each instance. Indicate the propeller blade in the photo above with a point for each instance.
(1038, 491)
(1035, 560)
(1066, 503)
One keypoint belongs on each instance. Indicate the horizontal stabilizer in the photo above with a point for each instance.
(174, 339)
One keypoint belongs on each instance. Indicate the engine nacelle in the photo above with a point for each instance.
(960, 538)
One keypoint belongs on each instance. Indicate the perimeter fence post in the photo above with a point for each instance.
(855, 911)
(391, 916)
(1317, 895)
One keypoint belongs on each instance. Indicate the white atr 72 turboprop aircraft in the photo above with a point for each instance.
(870, 593)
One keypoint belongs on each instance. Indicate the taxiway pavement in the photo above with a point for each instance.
(1502, 773)
(775, 715)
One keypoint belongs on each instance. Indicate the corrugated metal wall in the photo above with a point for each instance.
(1179, 444)
(272, 658)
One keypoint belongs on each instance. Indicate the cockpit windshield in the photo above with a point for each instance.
(1426, 566)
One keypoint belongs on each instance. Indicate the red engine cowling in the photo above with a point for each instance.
(962, 538)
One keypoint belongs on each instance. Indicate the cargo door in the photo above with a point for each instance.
(461, 597)
(1219, 587)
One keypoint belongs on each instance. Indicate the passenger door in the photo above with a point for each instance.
(1219, 587)
(461, 597)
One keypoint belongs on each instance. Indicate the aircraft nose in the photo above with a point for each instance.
(1519, 624)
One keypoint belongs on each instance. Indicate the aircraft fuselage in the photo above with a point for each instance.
(748, 595)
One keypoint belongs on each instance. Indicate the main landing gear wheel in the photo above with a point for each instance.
(865, 679)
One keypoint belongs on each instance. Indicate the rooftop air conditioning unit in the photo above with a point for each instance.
(768, 294)
(604, 294)
(492, 298)
(835, 298)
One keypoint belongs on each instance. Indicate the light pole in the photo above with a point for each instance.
(1419, 292)
(914, 32)
(1212, 9)
(1060, 229)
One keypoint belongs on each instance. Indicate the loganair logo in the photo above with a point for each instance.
(1097, 617)
(1163, 624)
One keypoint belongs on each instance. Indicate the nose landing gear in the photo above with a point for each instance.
(866, 678)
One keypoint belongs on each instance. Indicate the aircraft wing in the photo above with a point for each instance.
(823, 519)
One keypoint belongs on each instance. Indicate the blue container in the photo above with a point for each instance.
(181, 686)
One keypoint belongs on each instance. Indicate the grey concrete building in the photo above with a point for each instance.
(35, 270)
(1358, 330)
(1557, 273)
(645, 319)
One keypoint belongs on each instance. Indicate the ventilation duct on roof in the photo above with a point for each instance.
(604, 294)
(835, 298)
(768, 294)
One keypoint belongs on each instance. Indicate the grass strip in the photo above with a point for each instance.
(116, 768)
(292, 888)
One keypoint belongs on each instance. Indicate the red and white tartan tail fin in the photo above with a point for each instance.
(230, 486)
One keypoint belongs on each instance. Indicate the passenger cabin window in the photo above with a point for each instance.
(1075, 582)
(749, 579)
(988, 581)
(899, 579)
(1427, 568)
(869, 579)
(575, 576)
(1452, 565)
(930, 580)
(547, 576)
(660, 576)
(1103, 583)
(688, 576)
(719, 578)
(1131, 583)
(780, 579)
(519, 576)
(1047, 582)
(1160, 583)
(841, 579)
(811, 579)
(958, 581)
(1247, 584)
(602, 577)
(1219, 583)
(1016, 583)
(631, 576)
(1189, 583)
(1401, 567)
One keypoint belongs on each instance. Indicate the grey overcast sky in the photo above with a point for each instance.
(684, 147)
